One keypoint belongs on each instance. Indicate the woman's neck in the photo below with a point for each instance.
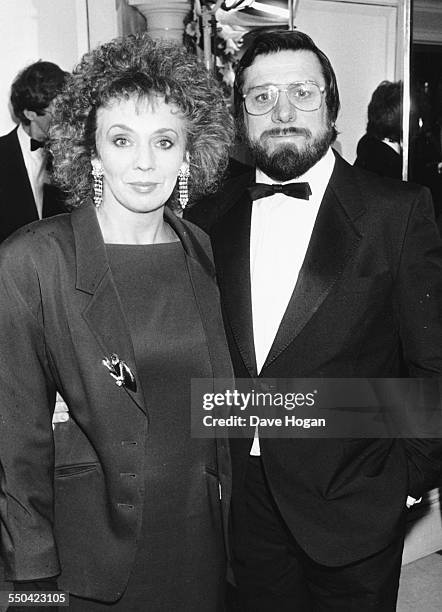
(128, 227)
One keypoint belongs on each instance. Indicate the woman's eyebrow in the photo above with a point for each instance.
(122, 126)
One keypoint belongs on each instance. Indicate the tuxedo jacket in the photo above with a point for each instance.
(17, 204)
(369, 290)
(378, 157)
(60, 315)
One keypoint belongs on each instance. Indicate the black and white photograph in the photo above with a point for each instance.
(221, 305)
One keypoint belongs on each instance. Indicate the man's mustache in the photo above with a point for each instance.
(287, 131)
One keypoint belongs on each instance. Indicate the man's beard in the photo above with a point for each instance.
(287, 161)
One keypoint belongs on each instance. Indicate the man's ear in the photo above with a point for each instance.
(29, 114)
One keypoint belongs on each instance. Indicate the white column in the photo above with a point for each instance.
(165, 19)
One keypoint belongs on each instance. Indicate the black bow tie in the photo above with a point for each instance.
(36, 144)
(294, 190)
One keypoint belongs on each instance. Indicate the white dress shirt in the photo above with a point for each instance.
(281, 228)
(35, 162)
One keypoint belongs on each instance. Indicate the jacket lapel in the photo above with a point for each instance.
(104, 313)
(202, 276)
(334, 240)
(26, 209)
(231, 245)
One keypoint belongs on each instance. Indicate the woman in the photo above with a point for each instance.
(115, 307)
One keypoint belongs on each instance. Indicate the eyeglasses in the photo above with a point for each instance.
(303, 95)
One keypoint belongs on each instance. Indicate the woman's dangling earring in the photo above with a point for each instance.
(97, 173)
(183, 182)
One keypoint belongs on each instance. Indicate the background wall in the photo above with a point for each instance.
(360, 40)
(53, 30)
(37, 29)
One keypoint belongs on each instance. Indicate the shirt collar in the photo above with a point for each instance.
(25, 144)
(23, 137)
(393, 145)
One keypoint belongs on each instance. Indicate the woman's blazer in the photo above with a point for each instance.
(60, 316)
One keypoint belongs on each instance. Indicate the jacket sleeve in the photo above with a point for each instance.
(27, 395)
(419, 290)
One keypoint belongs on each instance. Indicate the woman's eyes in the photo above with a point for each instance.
(121, 141)
(165, 143)
(162, 143)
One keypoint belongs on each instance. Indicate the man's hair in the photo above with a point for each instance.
(139, 68)
(35, 87)
(268, 42)
(385, 111)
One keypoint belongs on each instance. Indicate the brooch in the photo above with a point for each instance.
(120, 371)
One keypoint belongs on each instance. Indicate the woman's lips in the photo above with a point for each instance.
(143, 186)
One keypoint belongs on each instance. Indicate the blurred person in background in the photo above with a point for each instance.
(379, 150)
(25, 190)
(426, 159)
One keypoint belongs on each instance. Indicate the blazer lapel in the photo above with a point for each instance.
(202, 276)
(104, 313)
(334, 241)
(231, 246)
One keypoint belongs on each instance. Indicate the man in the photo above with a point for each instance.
(332, 283)
(25, 192)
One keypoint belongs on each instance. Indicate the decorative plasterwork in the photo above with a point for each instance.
(165, 19)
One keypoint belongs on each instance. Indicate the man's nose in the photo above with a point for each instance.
(284, 111)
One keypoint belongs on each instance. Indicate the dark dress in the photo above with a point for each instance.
(179, 564)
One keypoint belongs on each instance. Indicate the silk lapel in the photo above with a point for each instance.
(334, 240)
(104, 313)
(231, 245)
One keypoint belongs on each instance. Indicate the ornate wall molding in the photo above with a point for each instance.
(165, 19)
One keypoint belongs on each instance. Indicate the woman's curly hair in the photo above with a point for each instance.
(137, 66)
